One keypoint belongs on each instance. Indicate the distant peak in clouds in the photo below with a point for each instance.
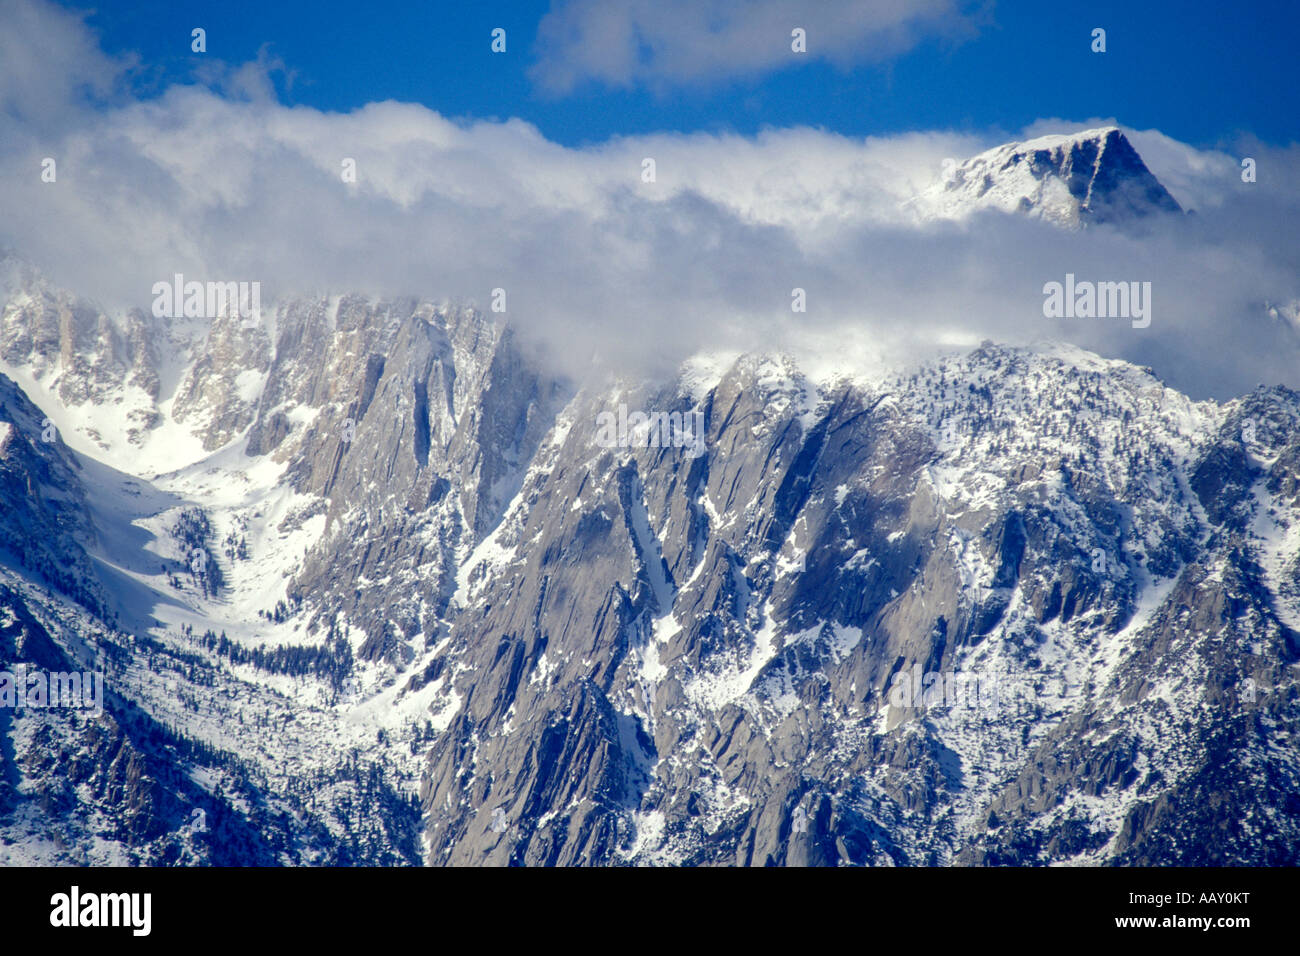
(1090, 177)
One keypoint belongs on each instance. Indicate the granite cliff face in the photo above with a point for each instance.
(692, 661)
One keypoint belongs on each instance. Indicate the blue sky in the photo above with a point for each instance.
(1202, 72)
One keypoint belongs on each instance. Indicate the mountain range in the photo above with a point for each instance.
(368, 587)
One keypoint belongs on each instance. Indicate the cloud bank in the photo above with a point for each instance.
(220, 181)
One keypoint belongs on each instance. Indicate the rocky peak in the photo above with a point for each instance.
(1079, 179)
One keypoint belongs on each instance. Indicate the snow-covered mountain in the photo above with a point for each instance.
(369, 585)
(1076, 180)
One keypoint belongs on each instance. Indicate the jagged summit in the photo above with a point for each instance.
(1077, 179)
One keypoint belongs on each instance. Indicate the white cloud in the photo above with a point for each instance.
(665, 42)
(595, 261)
(51, 67)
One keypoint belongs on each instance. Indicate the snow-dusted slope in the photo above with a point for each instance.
(268, 469)
(1033, 520)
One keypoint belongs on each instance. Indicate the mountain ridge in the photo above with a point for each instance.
(371, 586)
